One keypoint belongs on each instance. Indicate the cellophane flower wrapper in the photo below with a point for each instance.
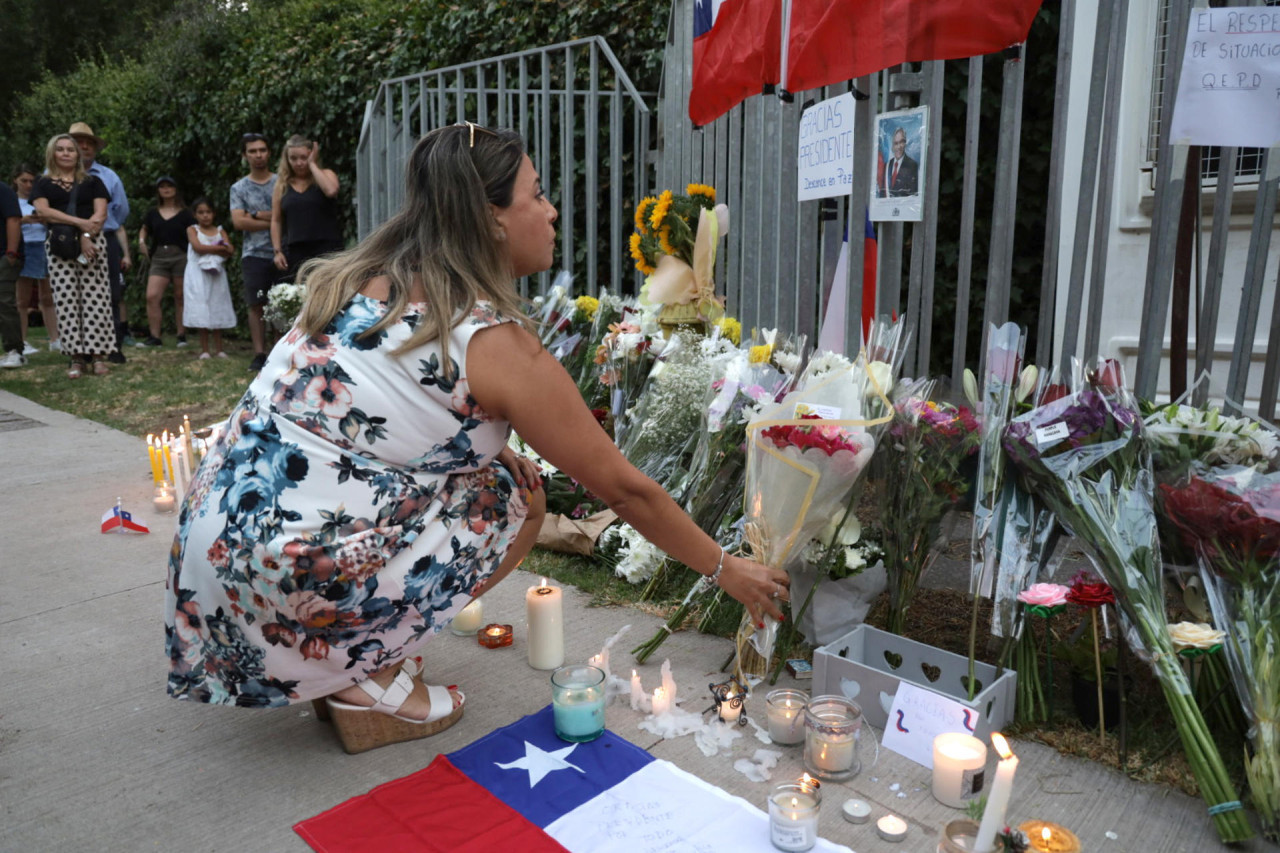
(663, 430)
(625, 359)
(554, 311)
(993, 491)
(1085, 456)
(804, 456)
(609, 312)
(919, 465)
(1229, 516)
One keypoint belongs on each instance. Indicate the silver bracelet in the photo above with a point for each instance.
(713, 579)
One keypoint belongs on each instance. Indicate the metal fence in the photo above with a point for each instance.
(781, 253)
(585, 125)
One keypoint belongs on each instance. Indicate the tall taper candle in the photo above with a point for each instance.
(998, 800)
(544, 606)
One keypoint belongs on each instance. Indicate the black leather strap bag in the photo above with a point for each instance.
(64, 240)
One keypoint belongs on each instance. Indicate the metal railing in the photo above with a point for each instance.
(586, 126)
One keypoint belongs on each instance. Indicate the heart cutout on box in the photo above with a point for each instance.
(850, 688)
(893, 659)
(886, 702)
(977, 685)
(931, 672)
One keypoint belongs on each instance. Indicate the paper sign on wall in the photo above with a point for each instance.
(1229, 90)
(918, 716)
(825, 157)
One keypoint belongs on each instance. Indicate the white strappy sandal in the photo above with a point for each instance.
(362, 728)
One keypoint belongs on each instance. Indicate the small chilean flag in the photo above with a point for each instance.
(117, 519)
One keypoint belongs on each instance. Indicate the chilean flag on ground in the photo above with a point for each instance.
(117, 519)
(522, 788)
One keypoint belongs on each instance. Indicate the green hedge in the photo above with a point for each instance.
(304, 66)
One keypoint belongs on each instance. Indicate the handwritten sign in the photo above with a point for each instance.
(1229, 91)
(825, 159)
(917, 716)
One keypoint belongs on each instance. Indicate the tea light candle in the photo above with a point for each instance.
(164, 500)
(730, 711)
(469, 619)
(891, 828)
(661, 702)
(857, 811)
(545, 611)
(1048, 837)
(833, 754)
(637, 692)
(793, 816)
(959, 761)
(785, 708)
(494, 636)
(998, 799)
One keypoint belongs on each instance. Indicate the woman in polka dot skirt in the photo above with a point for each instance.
(81, 286)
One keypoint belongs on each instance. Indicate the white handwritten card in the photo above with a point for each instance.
(917, 716)
(825, 157)
(1229, 89)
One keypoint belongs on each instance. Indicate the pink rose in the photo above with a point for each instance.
(1044, 594)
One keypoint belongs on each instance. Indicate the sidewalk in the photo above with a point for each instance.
(94, 756)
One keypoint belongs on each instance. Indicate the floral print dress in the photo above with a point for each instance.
(349, 507)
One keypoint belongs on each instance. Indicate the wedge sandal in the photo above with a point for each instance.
(363, 728)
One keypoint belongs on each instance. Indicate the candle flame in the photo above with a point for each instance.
(544, 582)
(1001, 745)
(809, 782)
(1045, 833)
(658, 693)
(633, 673)
(794, 802)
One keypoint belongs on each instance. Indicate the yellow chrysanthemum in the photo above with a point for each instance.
(760, 354)
(638, 255)
(642, 213)
(701, 189)
(660, 208)
(588, 305)
(730, 329)
(664, 240)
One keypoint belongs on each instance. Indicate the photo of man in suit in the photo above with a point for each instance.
(901, 173)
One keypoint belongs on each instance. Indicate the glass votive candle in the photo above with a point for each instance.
(164, 499)
(785, 708)
(1045, 837)
(577, 702)
(793, 815)
(958, 836)
(832, 726)
(494, 636)
(959, 762)
(469, 619)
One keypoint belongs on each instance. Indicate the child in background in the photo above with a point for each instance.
(206, 292)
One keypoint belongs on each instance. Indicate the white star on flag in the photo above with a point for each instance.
(538, 762)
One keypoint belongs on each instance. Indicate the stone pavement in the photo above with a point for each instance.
(94, 756)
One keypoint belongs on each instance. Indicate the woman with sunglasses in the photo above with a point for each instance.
(363, 492)
(304, 208)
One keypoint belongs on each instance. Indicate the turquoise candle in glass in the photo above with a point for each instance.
(577, 702)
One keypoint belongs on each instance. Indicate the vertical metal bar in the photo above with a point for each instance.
(864, 121)
(752, 211)
(482, 98)
(1053, 212)
(522, 119)
(388, 164)
(770, 201)
(1171, 161)
(460, 98)
(785, 223)
(968, 196)
(504, 112)
(1271, 367)
(1211, 301)
(1255, 269)
(566, 164)
(733, 196)
(1000, 261)
(933, 96)
(1106, 178)
(592, 154)
(442, 101)
(424, 109)
(617, 246)
(544, 147)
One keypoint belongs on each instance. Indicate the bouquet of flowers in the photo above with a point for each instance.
(674, 244)
(1230, 517)
(284, 304)
(920, 465)
(625, 357)
(1084, 455)
(1045, 600)
(604, 314)
(804, 456)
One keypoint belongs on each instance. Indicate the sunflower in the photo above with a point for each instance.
(641, 263)
(642, 213)
(702, 190)
(660, 209)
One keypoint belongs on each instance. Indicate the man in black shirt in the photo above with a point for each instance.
(10, 265)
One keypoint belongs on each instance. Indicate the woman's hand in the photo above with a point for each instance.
(279, 260)
(522, 468)
(757, 586)
(87, 248)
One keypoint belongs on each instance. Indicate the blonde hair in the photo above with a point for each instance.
(444, 236)
(284, 172)
(51, 165)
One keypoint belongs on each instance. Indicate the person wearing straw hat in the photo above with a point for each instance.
(118, 258)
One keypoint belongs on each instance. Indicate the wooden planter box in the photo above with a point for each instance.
(867, 664)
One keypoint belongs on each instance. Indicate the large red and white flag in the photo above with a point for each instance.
(835, 40)
(737, 48)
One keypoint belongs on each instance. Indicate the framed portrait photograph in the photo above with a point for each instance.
(897, 182)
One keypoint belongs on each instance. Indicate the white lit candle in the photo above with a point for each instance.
(793, 817)
(958, 768)
(833, 754)
(469, 619)
(785, 709)
(164, 500)
(601, 662)
(730, 711)
(998, 799)
(545, 610)
(661, 702)
(891, 828)
(637, 692)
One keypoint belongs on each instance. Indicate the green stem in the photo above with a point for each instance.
(791, 630)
